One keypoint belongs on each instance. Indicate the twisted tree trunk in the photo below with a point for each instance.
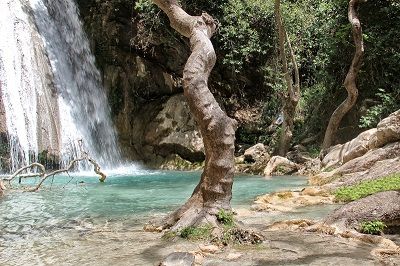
(214, 191)
(350, 80)
(292, 95)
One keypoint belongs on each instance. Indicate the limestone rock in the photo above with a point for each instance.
(387, 131)
(374, 164)
(253, 160)
(178, 259)
(288, 201)
(209, 248)
(174, 131)
(256, 153)
(233, 256)
(343, 153)
(383, 206)
(278, 161)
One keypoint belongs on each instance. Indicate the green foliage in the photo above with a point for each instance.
(196, 233)
(387, 104)
(169, 235)
(225, 217)
(320, 34)
(366, 188)
(373, 227)
(314, 151)
(245, 32)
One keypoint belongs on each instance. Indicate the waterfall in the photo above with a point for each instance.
(51, 90)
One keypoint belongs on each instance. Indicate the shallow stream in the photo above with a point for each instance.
(74, 216)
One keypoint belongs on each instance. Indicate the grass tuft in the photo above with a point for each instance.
(351, 193)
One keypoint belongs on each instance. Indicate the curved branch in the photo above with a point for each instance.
(44, 176)
(70, 166)
(350, 80)
(17, 173)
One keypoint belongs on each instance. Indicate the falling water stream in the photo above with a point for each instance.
(51, 90)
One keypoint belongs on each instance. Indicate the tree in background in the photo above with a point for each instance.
(291, 97)
(350, 80)
(214, 192)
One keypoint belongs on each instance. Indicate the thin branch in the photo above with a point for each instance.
(295, 94)
(44, 176)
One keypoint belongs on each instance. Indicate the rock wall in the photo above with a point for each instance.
(142, 70)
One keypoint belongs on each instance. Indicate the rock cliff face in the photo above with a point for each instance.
(141, 71)
(138, 84)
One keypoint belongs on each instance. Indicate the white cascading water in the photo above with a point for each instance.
(52, 109)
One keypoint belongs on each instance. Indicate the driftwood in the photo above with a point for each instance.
(42, 172)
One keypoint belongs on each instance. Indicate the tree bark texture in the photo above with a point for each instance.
(292, 95)
(350, 80)
(214, 190)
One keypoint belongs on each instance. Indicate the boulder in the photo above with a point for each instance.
(253, 160)
(374, 164)
(383, 206)
(174, 131)
(178, 259)
(387, 131)
(343, 153)
(276, 162)
(256, 153)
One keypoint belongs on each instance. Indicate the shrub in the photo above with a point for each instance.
(196, 233)
(225, 217)
(373, 227)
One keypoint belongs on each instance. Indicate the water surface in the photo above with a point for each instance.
(68, 208)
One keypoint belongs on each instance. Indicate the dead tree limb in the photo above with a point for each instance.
(44, 176)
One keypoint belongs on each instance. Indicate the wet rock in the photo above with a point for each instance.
(178, 259)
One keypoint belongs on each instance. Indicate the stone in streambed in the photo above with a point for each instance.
(178, 259)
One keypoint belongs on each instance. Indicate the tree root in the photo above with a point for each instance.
(192, 213)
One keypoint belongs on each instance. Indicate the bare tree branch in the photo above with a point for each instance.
(44, 176)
